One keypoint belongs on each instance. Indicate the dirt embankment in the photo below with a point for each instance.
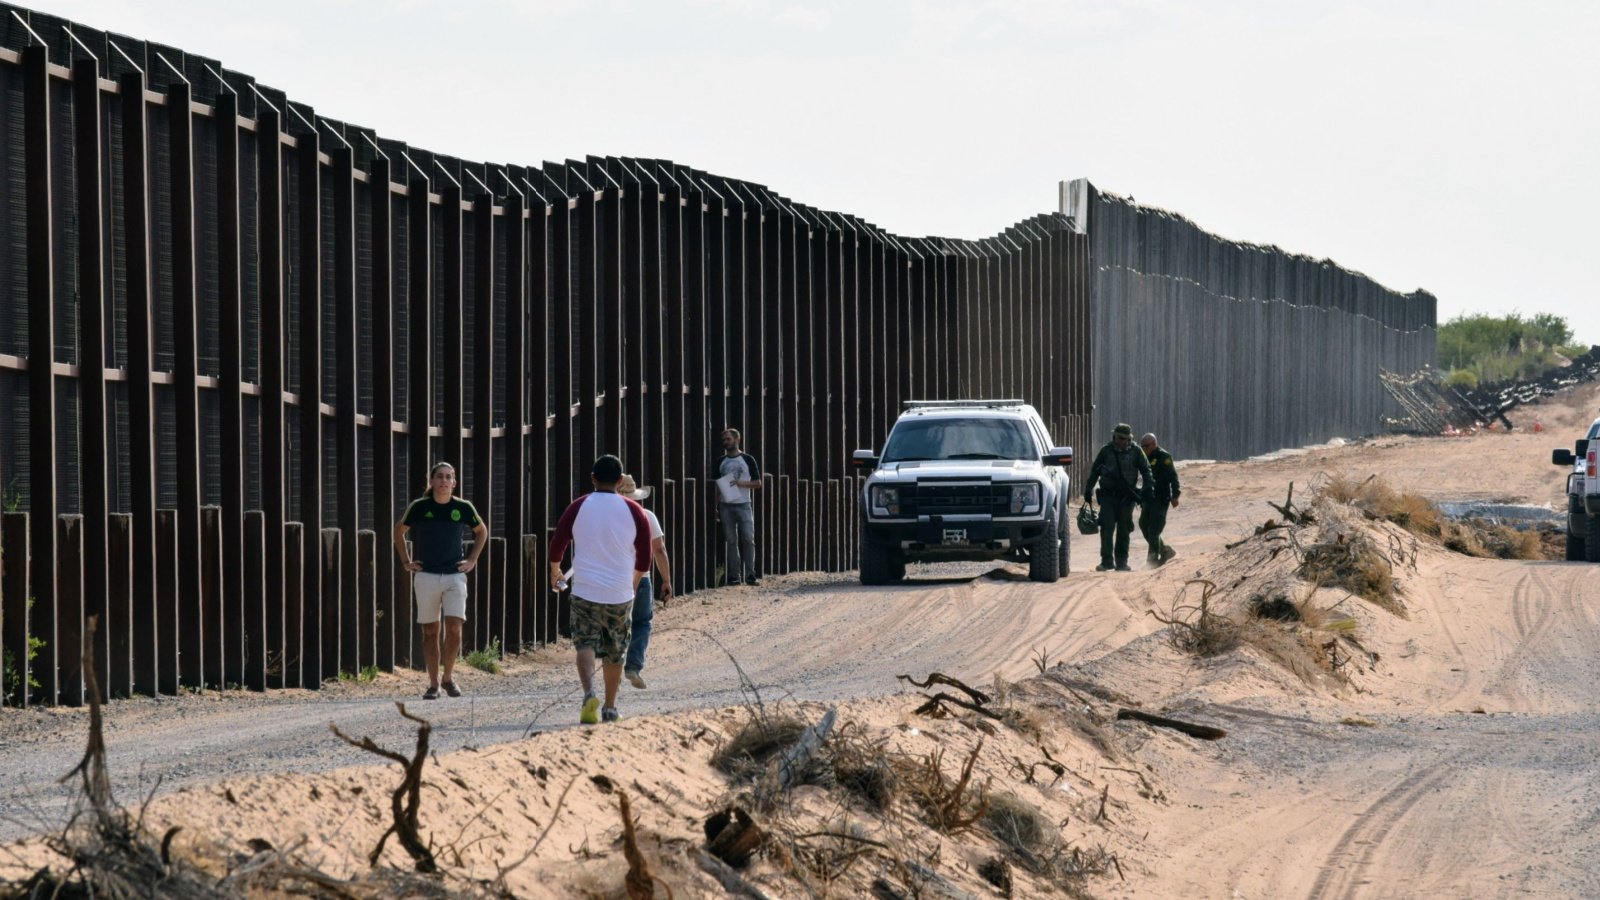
(1441, 744)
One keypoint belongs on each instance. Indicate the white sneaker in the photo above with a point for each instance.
(634, 678)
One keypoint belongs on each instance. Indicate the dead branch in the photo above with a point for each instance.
(639, 882)
(934, 708)
(977, 696)
(731, 881)
(793, 760)
(407, 795)
(96, 783)
(1026, 770)
(1204, 732)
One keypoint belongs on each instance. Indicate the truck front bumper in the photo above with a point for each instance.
(956, 538)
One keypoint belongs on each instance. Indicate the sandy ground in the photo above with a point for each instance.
(1453, 755)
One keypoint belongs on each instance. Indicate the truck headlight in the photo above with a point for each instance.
(1024, 498)
(885, 499)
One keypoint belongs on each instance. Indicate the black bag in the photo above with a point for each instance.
(1088, 521)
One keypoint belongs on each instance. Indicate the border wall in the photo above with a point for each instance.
(1226, 349)
(234, 334)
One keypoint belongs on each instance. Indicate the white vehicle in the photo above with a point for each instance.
(965, 480)
(1583, 495)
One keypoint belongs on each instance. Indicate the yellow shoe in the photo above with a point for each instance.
(591, 711)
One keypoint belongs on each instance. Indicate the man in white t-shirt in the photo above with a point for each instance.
(610, 537)
(644, 598)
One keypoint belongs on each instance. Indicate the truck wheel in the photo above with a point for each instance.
(1575, 548)
(1044, 560)
(879, 564)
(1591, 542)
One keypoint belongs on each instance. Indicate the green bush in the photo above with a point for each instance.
(487, 659)
(1462, 379)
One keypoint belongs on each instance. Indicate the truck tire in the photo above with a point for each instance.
(1044, 560)
(1591, 543)
(879, 564)
(1575, 548)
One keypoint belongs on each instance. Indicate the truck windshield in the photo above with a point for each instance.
(930, 439)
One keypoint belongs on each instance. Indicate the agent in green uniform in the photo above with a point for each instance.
(438, 523)
(1153, 517)
(1119, 468)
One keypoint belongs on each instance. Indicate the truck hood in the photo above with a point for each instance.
(975, 469)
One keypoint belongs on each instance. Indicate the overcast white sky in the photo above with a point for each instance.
(1452, 146)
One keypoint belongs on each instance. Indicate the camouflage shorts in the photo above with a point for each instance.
(605, 628)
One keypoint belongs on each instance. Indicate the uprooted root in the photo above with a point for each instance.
(1195, 626)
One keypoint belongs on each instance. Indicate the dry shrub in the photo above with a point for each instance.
(745, 755)
(1378, 500)
(1476, 537)
(1348, 559)
(950, 806)
(1297, 648)
(862, 767)
(1035, 842)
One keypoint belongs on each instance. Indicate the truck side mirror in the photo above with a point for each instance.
(1562, 457)
(1582, 448)
(1058, 456)
(863, 459)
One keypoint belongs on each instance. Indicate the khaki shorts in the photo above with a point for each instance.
(605, 628)
(439, 594)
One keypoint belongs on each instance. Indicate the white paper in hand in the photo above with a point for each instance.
(730, 492)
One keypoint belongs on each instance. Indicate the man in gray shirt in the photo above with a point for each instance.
(736, 478)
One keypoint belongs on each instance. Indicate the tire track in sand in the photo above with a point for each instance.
(1344, 868)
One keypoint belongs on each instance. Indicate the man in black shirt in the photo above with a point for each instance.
(438, 522)
(1153, 517)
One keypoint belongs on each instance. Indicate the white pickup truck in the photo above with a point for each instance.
(1583, 495)
(965, 480)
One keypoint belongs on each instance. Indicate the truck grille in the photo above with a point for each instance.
(955, 499)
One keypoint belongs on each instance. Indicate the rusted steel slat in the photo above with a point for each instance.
(36, 143)
(587, 340)
(356, 633)
(167, 611)
(608, 305)
(564, 476)
(14, 580)
(117, 677)
(486, 619)
(536, 624)
(419, 392)
(318, 649)
(192, 620)
(515, 489)
(287, 663)
(211, 571)
(146, 648)
(271, 647)
(383, 411)
(230, 436)
(366, 596)
(450, 445)
(254, 601)
(93, 410)
(333, 550)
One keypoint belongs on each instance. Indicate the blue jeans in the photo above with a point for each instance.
(644, 614)
(739, 532)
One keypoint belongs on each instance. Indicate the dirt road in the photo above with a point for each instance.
(1460, 764)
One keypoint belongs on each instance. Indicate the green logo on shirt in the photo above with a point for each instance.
(428, 514)
(455, 515)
